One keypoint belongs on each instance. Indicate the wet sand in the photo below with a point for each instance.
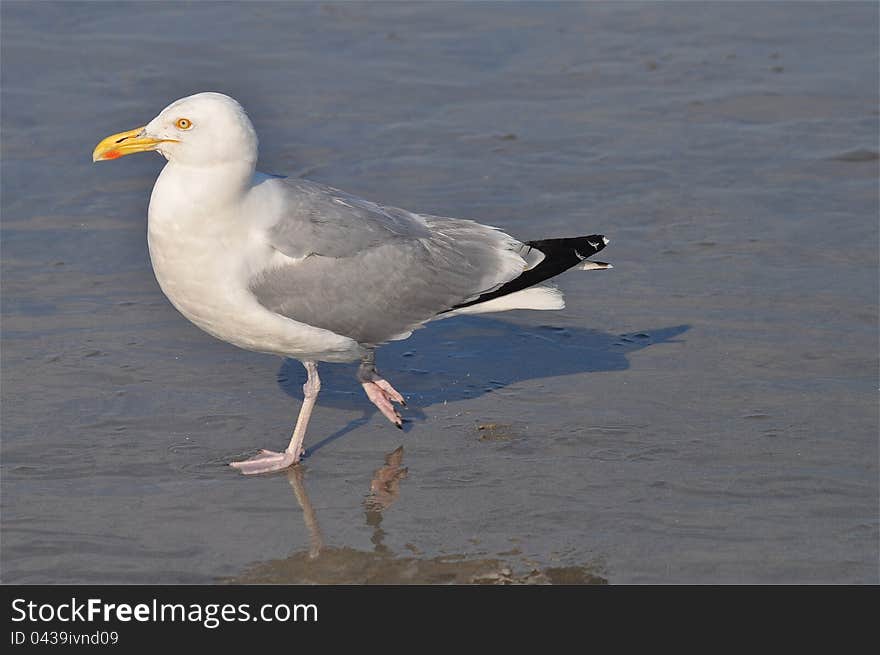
(704, 412)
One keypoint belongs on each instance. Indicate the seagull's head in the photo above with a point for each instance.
(204, 129)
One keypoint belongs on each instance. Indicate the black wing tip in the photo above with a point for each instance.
(559, 255)
(584, 246)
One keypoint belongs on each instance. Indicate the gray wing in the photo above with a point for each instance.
(374, 273)
(321, 220)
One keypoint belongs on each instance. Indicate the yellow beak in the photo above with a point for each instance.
(125, 143)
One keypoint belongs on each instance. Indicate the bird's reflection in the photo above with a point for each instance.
(384, 490)
(324, 564)
(316, 539)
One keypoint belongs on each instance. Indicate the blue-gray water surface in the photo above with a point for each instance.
(704, 412)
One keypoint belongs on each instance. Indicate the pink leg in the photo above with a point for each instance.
(382, 399)
(379, 390)
(266, 460)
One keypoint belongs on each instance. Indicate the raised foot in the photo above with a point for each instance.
(265, 461)
(382, 395)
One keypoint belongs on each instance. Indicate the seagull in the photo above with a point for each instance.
(290, 267)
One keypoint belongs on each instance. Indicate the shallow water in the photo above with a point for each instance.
(705, 412)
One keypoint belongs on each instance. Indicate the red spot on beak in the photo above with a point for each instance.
(112, 154)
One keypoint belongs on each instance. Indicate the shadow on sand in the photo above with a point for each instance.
(468, 357)
(323, 564)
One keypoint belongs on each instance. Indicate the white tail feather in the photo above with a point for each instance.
(587, 265)
(532, 298)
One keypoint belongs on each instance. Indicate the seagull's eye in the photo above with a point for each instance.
(183, 123)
